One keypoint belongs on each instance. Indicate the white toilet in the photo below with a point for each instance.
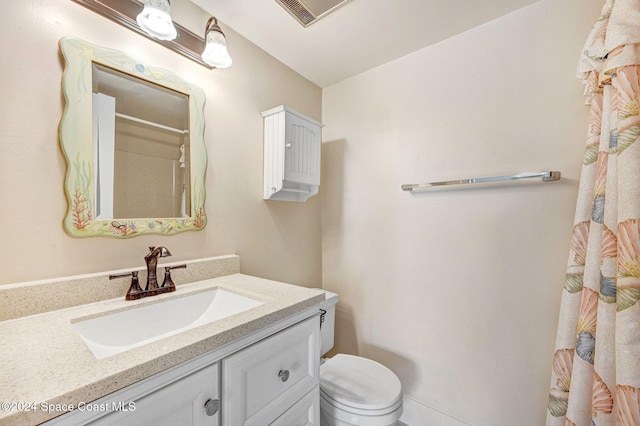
(354, 390)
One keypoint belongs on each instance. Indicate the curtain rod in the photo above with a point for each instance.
(151, 123)
(545, 176)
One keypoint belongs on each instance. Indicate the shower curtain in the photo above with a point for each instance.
(596, 365)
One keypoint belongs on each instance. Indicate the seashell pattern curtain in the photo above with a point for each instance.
(596, 366)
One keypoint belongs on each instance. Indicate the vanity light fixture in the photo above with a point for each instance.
(155, 19)
(186, 43)
(215, 52)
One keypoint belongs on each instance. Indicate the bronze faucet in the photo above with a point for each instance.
(135, 291)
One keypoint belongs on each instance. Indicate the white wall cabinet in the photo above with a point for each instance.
(271, 378)
(292, 143)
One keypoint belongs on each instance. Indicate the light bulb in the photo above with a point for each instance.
(215, 50)
(155, 20)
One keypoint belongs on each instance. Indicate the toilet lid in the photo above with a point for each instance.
(359, 382)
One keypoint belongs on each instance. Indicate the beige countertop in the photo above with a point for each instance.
(45, 364)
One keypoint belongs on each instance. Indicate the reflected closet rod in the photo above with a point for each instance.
(151, 123)
(545, 176)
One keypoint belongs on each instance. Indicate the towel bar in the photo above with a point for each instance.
(545, 176)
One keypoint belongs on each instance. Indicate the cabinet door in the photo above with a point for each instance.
(180, 403)
(302, 151)
(264, 380)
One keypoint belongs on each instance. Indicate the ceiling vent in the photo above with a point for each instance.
(306, 12)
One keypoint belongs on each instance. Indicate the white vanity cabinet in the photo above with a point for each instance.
(269, 378)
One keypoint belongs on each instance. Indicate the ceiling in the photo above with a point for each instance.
(356, 37)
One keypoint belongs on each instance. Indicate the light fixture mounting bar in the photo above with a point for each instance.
(124, 12)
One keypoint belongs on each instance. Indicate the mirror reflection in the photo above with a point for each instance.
(141, 147)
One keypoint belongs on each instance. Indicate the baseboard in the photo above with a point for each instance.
(417, 414)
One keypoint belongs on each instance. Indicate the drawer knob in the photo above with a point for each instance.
(284, 375)
(211, 406)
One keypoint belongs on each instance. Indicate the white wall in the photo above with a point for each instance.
(458, 290)
(274, 240)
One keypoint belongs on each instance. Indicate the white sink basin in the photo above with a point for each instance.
(121, 331)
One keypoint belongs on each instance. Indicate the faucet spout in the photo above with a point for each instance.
(152, 262)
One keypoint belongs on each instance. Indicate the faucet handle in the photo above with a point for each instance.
(168, 282)
(126, 274)
(183, 266)
(135, 291)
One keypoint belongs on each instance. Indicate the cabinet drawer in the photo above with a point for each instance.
(305, 412)
(262, 381)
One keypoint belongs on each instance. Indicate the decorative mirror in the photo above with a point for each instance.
(133, 139)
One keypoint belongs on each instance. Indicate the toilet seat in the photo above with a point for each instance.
(332, 405)
(360, 386)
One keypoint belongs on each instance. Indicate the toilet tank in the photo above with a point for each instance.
(327, 327)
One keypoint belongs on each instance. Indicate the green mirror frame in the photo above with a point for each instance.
(76, 141)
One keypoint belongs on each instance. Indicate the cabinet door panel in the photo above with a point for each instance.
(180, 403)
(264, 380)
(302, 151)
